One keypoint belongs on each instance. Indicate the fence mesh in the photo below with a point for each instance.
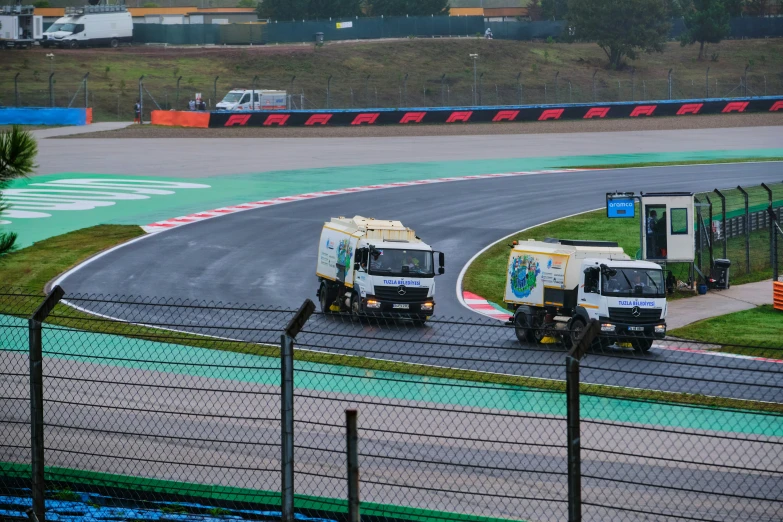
(173, 406)
(740, 232)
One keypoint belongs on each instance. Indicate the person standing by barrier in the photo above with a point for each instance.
(652, 220)
(137, 112)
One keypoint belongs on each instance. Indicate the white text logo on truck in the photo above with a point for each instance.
(401, 282)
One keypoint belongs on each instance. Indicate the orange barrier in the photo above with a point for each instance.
(181, 119)
(777, 295)
(88, 116)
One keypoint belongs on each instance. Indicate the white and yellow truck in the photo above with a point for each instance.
(375, 267)
(555, 287)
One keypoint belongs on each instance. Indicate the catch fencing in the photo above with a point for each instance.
(187, 408)
(113, 99)
(736, 224)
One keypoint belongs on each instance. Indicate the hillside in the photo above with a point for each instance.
(372, 73)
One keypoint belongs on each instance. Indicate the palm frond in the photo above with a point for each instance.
(18, 150)
(7, 241)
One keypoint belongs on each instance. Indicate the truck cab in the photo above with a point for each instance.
(628, 298)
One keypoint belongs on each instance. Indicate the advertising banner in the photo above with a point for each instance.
(461, 115)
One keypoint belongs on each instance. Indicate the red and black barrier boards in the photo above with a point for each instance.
(494, 114)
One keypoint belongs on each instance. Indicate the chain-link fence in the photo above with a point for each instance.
(141, 407)
(114, 100)
(736, 224)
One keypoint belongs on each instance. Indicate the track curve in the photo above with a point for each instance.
(268, 256)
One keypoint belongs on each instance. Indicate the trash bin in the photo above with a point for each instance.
(319, 38)
(720, 274)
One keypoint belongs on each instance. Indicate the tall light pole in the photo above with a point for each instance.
(475, 92)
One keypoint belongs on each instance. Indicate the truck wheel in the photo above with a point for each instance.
(73, 44)
(114, 43)
(325, 298)
(641, 345)
(522, 329)
(356, 307)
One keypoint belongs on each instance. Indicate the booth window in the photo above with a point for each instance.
(679, 221)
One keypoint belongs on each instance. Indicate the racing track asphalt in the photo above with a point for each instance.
(267, 256)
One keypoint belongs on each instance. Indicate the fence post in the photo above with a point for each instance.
(141, 99)
(670, 83)
(519, 88)
(176, 102)
(214, 89)
(723, 218)
(573, 429)
(707, 84)
(745, 81)
(773, 247)
(287, 407)
(86, 101)
(328, 91)
(700, 231)
(771, 228)
(710, 234)
(352, 438)
(16, 89)
(36, 398)
(51, 90)
(747, 230)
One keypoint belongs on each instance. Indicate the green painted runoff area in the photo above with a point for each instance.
(235, 189)
(147, 355)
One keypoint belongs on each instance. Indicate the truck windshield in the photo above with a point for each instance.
(408, 263)
(630, 282)
(232, 97)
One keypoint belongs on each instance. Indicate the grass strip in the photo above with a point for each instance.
(761, 326)
(87, 242)
(676, 163)
(157, 490)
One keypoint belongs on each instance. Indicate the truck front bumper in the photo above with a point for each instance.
(624, 331)
(374, 306)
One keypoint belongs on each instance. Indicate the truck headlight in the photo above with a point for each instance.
(660, 328)
(608, 327)
(372, 303)
(426, 306)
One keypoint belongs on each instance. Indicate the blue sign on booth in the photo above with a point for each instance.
(620, 207)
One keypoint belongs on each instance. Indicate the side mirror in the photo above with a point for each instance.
(441, 259)
(357, 266)
(441, 271)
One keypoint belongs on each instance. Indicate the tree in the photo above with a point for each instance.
(758, 7)
(622, 28)
(41, 3)
(707, 21)
(408, 7)
(554, 9)
(283, 9)
(334, 8)
(248, 3)
(534, 10)
(151, 5)
(17, 159)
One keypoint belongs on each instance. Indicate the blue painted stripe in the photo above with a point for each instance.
(42, 116)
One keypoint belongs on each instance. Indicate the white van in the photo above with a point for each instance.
(91, 25)
(265, 100)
